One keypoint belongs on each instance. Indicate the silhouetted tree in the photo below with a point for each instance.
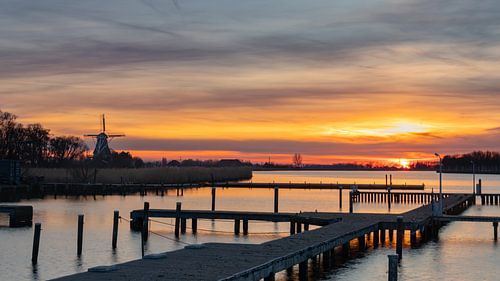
(297, 160)
(35, 145)
(66, 149)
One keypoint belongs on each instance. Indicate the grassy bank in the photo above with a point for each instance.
(145, 175)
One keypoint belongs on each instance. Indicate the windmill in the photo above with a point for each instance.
(102, 151)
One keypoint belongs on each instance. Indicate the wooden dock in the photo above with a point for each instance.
(305, 185)
(19, 215)
(211, 261)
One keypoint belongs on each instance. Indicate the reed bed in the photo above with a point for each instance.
(141, 176)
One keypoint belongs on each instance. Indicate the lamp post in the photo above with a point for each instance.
(473, 178)
(440, 183)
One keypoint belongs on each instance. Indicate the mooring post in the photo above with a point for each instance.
(413, 237)
(178, 207)
(145, 222)
(350, 202)
(303, 270)
(376, 238)
(495, 230)
(80, 235)
(276, 199)
(393, 267)
(340, 197)
(345, 250)
(236, 227)
(399, 237)
(361, 243)
(36, 243)
(292, 227)
(194, 225)
(183, 225)
(245, 227)
(116, 215)
(325, 258)
(213, 198)
(299, 227)
(389, 197)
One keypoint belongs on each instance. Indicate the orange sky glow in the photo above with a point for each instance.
(337, 81)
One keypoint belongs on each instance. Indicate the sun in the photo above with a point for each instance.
(404, 163)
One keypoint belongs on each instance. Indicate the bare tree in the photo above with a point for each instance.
(64, 150)
(297, 160)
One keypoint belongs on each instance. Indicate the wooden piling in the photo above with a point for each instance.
(116, 216)
(350, 202)
(303, 270)
(361, 243)
(236, 227)
(399, 237)
(413, 237)
(183, 225)
(326, 259)
(194, 225)
(393, 267)
(292, 227)
(340, 197)
(213, 198)
(145, 222)
(345, 250)
(276, 199)
(389, 198)
(495, 231)
(178, 208)
(376, 238)
(80, 235)
(382, 236)
(306, 227)
(36, 243)
(245, 227)
(299, 227)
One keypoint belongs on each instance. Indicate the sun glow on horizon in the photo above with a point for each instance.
(369, 129)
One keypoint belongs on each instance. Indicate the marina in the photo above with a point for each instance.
(256, 206)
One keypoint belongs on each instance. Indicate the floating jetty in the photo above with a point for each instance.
(305, 185)
(17, 192)
(19, 215)
(226, 261)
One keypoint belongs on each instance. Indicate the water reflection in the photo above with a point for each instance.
(460, 243)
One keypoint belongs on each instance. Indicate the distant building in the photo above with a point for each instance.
(174, 163)
(10, 172)
(230, 163)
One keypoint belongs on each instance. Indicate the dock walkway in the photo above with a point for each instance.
(253, 262)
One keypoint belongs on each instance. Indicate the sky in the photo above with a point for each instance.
(337, 81)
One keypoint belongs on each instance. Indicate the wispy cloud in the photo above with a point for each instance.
(257, 67)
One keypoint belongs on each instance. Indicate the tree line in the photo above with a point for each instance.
(34, 146)
(484, 162)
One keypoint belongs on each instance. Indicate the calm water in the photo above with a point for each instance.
(464, 251)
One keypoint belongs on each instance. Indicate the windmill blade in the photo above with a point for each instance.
(91, 135)
(103, 123)
(116, 135)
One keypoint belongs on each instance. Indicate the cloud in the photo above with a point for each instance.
(382, 148)
(306, 66)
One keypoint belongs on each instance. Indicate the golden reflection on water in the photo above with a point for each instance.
(59, 219)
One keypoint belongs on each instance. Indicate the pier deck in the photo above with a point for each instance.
(19, 215)
(253, 262)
